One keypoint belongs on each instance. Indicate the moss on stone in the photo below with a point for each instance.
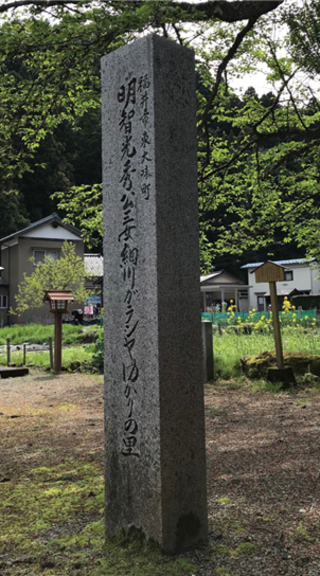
(256, 366)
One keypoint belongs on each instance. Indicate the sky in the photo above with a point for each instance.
(258, 79)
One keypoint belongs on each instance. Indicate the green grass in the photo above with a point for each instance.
(77, 358)
(230, 347)
(38, 334)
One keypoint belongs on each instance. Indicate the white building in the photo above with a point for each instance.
(301, 277)
(220, 287)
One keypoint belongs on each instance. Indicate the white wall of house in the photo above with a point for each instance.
(304, 277)
(53, 233)
(315, 281)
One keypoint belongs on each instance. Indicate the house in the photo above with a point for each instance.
(22, 251)
(220, 287)
(300, 277)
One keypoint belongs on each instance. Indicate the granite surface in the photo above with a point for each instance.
(154, 413)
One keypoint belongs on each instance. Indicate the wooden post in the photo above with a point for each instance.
(8, 351)
(51, 353)
(272, 273)
(24, 361)
(57, 340)
(276, 324)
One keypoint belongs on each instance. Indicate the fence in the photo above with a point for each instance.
(24, 349)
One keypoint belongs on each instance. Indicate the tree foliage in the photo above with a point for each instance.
(66, 273)
(258, 160)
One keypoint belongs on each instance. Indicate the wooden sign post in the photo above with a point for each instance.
(276, 324)
(272, 273)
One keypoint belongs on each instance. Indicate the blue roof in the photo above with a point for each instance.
(281, 262)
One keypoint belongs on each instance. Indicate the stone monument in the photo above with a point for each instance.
(154, 412)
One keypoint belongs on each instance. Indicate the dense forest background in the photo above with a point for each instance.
(258, 155)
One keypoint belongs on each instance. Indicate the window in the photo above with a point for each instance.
(3, 301)
(288, 275)
(39, 255)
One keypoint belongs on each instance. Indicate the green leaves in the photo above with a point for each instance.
(83, 208)
(66, 273)
(257, 156)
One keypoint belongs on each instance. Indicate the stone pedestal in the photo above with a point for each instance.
(154, 414)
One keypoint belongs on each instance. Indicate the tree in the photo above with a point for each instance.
(66, 273)
(82, 206)
(50, 52)
(13, 213)
(258, 160)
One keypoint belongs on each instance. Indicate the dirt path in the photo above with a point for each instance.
(263, 465)
(45, 419)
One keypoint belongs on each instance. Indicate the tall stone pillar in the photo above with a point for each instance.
(154, 414)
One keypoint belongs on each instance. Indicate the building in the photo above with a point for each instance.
(300, 277)
(220, 287)
(22, 251)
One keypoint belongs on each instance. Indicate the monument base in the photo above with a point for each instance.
(283, 375)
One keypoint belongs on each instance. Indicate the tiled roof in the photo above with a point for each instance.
(94, 264)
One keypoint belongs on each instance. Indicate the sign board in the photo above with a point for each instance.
(269, 272)
(93, 300)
